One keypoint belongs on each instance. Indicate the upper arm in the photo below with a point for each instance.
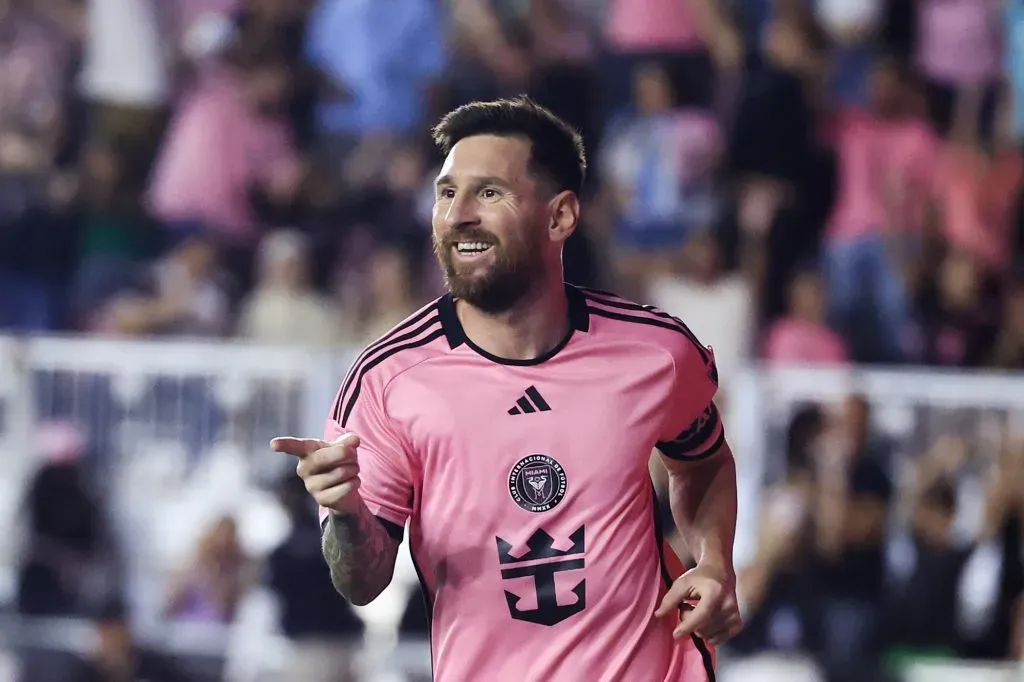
(693, 428)
(385, 472)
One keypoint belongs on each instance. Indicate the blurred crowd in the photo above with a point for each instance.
(802, 181)
(838, 180)
(875, 553)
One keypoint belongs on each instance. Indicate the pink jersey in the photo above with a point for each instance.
(526, 486)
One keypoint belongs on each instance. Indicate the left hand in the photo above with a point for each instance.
(714, 615)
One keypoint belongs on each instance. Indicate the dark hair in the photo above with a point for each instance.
(804, 427)
(556, 149)
(940, 495)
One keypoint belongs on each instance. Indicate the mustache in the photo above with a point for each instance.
(469, 236)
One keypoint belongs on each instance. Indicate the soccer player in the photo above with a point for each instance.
(511, 423)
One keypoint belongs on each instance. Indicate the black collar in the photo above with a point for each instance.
(579, 320)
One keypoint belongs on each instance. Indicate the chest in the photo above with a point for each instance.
(515, 442)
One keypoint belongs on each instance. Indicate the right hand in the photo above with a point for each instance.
(329, 470)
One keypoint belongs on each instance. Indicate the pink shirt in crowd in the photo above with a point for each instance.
(526, 488)
(977, 195)
(216, 148)
(652, 26)
(791, 340)
(869, 152)
(959, 40)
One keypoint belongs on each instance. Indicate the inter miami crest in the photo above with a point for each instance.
(537, 483)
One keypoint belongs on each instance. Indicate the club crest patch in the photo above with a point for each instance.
(537, 483)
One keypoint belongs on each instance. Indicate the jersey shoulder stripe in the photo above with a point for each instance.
(613, 307)
(418, 330)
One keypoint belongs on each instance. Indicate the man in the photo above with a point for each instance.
(511, 423)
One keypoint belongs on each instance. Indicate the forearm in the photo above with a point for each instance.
(703, 500)
(361, 555)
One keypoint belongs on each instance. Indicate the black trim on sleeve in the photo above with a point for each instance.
(396, 532)
(695, 436)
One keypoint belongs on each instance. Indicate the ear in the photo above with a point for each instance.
(565, 216)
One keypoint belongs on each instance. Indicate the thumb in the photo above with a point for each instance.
(350, 439)
(674, 598)
(297, 447)
(690, 621)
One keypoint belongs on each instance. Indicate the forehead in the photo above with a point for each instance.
(491, 156)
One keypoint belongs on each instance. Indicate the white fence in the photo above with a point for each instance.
(179, 433)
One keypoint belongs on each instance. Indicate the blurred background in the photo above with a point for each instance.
(207, 206)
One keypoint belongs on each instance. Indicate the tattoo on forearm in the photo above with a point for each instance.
(361, 555)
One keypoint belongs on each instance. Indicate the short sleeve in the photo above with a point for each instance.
(693, 427)
(384, 469)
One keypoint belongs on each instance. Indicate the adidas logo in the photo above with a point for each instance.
(532, 401)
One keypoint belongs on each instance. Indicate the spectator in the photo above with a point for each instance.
(777, 589)
(312, 614)
(993, 579)
(667, 33)
(885, 157)
(33, 50)
(802, 337)
(659, 167)
(127, 76)
(978, 183)
(853, 492)
(69, 547)
(117, 237)
(920, 617)
(226, 142)
(210, 588)
(1009, 347)
(381, 60)
(853, 26)
(716, 304)
(179, 294)
(283, 308)
(392, 289)
(957, 47)
(954, 323)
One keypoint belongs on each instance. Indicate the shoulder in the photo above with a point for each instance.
(643, 324)
(412, 341)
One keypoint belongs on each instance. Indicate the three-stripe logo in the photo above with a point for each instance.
(531, 401)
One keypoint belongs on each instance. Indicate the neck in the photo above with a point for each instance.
(534, 326)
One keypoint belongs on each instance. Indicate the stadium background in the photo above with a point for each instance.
(207, 206)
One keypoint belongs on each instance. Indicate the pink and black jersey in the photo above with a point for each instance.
(526, 487)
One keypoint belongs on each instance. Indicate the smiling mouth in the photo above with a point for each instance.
(472, 248)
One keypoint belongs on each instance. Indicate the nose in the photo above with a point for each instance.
(461, 212)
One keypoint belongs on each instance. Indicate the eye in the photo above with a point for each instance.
(489, 193)
(446, 193)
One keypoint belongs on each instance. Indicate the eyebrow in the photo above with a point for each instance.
(446, 180)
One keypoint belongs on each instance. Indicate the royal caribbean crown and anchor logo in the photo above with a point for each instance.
(542, 561)
(537, 483)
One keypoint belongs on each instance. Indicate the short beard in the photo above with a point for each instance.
(498, 291)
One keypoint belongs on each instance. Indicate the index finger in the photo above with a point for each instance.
(297, 447)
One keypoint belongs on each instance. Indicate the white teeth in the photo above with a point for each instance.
(472, 247)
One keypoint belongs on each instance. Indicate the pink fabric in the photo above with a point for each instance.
(215, 149)
(870, 152)
(481, 488)
(652, 25)
(977, 195)
(790, 340)
(959, 40)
